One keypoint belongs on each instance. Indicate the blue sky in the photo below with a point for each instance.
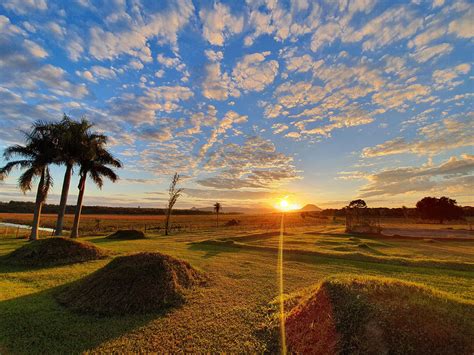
(322, 101)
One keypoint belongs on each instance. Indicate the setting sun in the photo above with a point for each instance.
(285, 205)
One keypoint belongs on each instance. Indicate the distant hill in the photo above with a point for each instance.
(310, 208)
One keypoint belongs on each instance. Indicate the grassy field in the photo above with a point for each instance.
(241, 262)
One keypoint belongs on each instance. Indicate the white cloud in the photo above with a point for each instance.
(447, 78)
(9, 29)
(103, 72)
(23, 7)
(230, 119)
(424, 54)
(253, 73)
(219, 23)
(35, 49)
(463, 27)
(57, 31)
(218, 85)
(133, 41)
(392, 25)
(432, 139)
(451, 177)
(214, 56)
(254, 164)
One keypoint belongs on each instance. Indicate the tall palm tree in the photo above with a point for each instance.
(38, 153)
(73, 136)
(94, 163)
(217, 209)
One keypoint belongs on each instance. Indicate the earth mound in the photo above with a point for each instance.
(232, 223)
(132, 284)
(379, 317)
(127, 234)
(54, 251)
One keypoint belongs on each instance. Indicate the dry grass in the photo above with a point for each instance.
(138, 283)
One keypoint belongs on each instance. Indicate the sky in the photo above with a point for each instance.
(320, 101)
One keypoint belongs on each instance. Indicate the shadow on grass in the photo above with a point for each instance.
(214, 247)
(36, 323)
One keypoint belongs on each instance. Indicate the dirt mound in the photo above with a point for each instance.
(127, 234)
(54, 251)
(379, 316)
(138, 283)
(232, 223)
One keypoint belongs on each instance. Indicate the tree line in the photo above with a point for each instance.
(67, 143)
(428, 208)
(28, 207)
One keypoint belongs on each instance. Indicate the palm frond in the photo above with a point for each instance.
(9, 166)
(18, 150)
(97, 178)
(25, 180)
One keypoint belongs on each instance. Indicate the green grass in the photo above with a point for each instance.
(224, 316)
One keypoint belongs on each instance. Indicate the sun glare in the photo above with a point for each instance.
(284, 205)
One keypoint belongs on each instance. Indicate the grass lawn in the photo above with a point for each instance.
(225, 315)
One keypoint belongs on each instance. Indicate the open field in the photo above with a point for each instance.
(94, 224)
(228, 313)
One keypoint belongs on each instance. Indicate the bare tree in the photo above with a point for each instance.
(174, 194)
(217, 209)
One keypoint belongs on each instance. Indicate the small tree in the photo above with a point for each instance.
(174, 194)
(217, 209)
(357, 204)
(440, 209)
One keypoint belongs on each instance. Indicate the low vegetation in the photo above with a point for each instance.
(138, 283)
(127, 234)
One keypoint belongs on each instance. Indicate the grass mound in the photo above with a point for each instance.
(54, 251)
(127, 234)
(379, 316)
(133, 284)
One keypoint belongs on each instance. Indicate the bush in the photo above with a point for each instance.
(127, 234)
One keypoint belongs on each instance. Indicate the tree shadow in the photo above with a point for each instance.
(36, 323)
(214, 247)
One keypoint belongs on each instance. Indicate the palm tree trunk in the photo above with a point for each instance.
(38, 206)
(62, 206)
(217, 217)
(77, 215)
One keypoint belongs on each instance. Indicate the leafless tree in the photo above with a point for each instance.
(174, 194)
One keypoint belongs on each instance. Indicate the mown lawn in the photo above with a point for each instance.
(226, 315)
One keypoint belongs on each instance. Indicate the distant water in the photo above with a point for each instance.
(24, 226)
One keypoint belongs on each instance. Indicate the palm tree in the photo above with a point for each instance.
(93, 162)
(72, 141)
(217, 209)
(38, 153)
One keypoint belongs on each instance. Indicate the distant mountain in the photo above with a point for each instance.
(310, 208)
